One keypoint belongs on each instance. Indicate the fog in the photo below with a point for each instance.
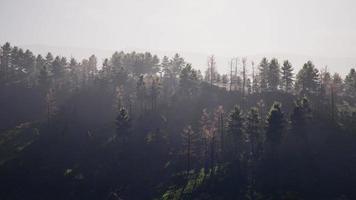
(173, 100)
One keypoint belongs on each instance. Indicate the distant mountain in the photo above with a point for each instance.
(199, 60)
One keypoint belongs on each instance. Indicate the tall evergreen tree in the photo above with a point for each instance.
(141, 93)
(275, 126)
(307, 79)
(165, 67)
(188, 81)
(123, 125)
(39, 64)
(287, 76)
(273, 75)
(191, 145)
(29, 65)
(263, 74)
(253, 126)
(177, 64)
(49, 59)
(338, 84)
(57, 70)
(350, 84)
(5, 64)
(44, 79)
(154, 93)
(235, 128)
(300, 117)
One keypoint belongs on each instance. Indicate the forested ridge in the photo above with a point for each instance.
(137, 126)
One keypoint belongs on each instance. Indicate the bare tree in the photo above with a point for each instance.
(244, 76)
(231, 64)
(212, 68)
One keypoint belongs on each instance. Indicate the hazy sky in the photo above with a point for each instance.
(223, 27)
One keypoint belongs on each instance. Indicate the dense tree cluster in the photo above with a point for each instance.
(139, 127)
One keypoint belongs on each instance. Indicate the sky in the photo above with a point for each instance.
(320, 28)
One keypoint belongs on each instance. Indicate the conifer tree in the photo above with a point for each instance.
(188, 81)
(177, 64)
(123, 125)
(287, 76)
(263, 74)
(275, 126)
(141, 92)
(44, 79)
(273, 75)
(165, 67)
(155, 90)
(5, 64)
(300, 117)
(350, 83)
(248, 86)
(307, 79)
(190, 145)
(51, 106)
(235, 129)
(253, 132)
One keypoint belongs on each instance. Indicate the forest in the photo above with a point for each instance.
(140, 126)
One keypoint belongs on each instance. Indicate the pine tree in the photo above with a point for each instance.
(190, 145)
(15, 61)
(57, 71)
(43, 78)
(141, 93)
(39, 64)
(92, 67)
(273, 75)
(165, 67)
(177, 64)
(337, 83)
(220, 126)
(300, 117)
(50, 105)
(74, 73)
(255, 85)
(188, 81)
(5, 64)
(263, 74)
(275, 126)
(123, 125)
(49, 60)
(350, 84)
(287, 77)
(253, 132)
(248, 86)
(235, 129)
(155, 90)
(307, 79)
(29, 68)
(207, 133)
